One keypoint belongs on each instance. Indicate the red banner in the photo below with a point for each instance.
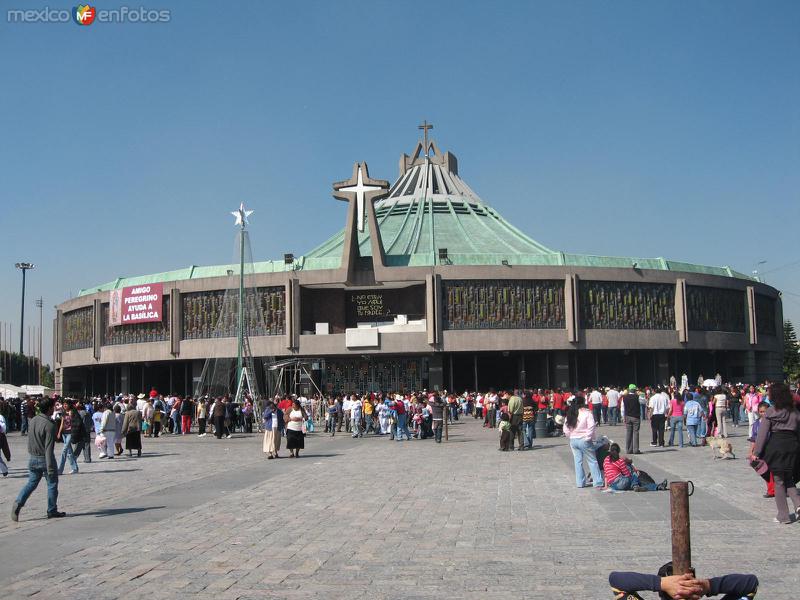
(136, 304)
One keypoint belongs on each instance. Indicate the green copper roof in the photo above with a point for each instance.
(429, 208)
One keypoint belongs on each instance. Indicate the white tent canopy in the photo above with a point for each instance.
(11, 391)
(37, 390)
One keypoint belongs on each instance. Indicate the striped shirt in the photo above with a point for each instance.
(613, 469)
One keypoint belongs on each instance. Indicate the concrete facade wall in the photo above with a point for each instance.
(765, 355)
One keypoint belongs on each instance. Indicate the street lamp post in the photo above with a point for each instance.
(22, 266)
(40, 305)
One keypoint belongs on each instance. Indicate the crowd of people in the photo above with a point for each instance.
(702, 412)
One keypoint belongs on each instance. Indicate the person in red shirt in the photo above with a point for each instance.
(285, 404)
(620, 474)
(558, 402)
(541, 399)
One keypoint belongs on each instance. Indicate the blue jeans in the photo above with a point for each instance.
(356, 427)
(585, 449)
(37, 468)
(676, 423)
(438, 428)
(702, 430)
(692, 430)
(528, 433)
(623, 483)
(67, 453)
(613, 415)
(643, 411)
(402, 428)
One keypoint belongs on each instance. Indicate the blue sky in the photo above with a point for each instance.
(626, 128)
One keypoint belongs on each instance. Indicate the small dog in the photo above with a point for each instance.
(721, 448)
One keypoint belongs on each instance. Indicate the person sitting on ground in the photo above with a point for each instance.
(686, 586)
(621, 475)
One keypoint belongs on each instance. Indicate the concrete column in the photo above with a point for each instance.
(561, 363)
(475, 369)
(752, 324)
(292, 314)
(197, 373)
(98, 328)
(547, 372)
(571, 307)
(450, 363)
(124, 379)
(681, 316)
(662, 358)
(432, 321)
(296, 313)
(436, 372)
(57, 379)
(175, 321)
(56, 353)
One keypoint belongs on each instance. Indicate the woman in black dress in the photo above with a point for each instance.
(295, 436)
(132, 429)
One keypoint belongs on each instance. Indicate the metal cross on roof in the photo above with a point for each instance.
(425, 127)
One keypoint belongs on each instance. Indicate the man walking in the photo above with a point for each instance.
(369, 411)
(437, 408)
(28, 411)
(42, 462)
(657, 407)
(528, 420)
(613, 405)
(355, 417)
(596, 400)
(515, 413)
(630, 405)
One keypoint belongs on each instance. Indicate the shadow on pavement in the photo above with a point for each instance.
(307, 455)
(110, 512)
(152, 454)
(107, 471)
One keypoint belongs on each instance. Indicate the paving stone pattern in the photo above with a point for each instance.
(372, 518)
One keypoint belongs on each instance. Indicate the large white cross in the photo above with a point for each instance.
(359, 189)
(241, 215)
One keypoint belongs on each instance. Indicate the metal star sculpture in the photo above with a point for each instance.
(241, 215)
(361, 188)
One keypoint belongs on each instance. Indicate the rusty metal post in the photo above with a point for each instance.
(681, 538)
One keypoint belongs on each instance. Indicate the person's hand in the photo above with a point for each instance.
(683, 587)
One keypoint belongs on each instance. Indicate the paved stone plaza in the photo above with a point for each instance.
(372, 518)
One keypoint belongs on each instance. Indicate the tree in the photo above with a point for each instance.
(791, 352)
(18, 369)
(48, 377)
